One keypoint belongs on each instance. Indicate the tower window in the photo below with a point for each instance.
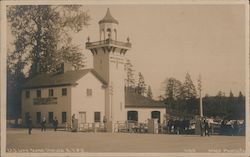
(108, 30)
(89, 92)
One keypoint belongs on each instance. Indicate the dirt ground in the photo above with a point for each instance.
(18, 140)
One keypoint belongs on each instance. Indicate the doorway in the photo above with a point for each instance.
(82, 117)
(156, 115)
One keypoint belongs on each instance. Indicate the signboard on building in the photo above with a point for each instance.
(45, 101)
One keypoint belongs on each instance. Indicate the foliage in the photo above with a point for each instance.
(226, 107)
(149, 93)
(141, 87)
(181, 101)
(41, 41)
(41, 37)
(129, 80)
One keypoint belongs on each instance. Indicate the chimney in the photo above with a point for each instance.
(66, 67)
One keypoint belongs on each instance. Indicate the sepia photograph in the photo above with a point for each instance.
(124, 78)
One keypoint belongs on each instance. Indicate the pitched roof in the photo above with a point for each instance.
(108, 18)
(134, 100)
(59, 79)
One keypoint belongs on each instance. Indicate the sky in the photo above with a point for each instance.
(171, 40)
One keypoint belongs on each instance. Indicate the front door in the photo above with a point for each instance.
(156, 115)
(82, 117)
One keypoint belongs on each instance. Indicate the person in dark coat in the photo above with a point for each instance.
(202, 126)
(55, 124)
(43, 124)
(207, 132)
(29, 123)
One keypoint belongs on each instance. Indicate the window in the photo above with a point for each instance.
(38, 93)
(27, 94)
(108, 30)
(64, 92)
(38, 117)
(89, 92)
(51, 117)
(51, 92)
(64, 117)
(132, 116)
(97, 116)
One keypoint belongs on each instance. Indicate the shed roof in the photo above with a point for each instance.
(134, 100)
(59, 79)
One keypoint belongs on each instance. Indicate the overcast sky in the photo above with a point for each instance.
(170, 40)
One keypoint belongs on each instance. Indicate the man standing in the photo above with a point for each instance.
(202, 127)
(43, 124)
(29, 123)
(55, 123)
(207, 132)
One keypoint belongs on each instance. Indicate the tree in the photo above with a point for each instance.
(41, 41)
(189, 94)
(130, 80)
(230, 106)
(173, 92)
(173, 88)
(241, 106)
(149, 93)
(42, 36)
(141, 87)
(188, 89)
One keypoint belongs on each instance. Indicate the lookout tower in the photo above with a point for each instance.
(108, 62)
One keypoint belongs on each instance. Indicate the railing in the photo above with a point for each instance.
(108, 41)
(92, 127)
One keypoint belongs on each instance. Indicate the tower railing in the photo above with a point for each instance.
(108, 41)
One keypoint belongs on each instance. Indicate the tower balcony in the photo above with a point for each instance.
(108, 43)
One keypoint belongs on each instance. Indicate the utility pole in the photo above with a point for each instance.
(200, 88)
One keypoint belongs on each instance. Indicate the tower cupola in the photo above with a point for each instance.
(108, 18)
(108, 27)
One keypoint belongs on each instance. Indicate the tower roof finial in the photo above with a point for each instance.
(108, 18)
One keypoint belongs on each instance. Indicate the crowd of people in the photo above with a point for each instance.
(205, 127)
(178, 126)
(232, 128)
(43, 124)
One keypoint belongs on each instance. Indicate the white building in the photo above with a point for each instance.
(91, 94)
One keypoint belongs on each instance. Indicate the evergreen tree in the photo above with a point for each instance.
(189, 94)
(149, 93)
(241, 106)
(141, 87)
(230, 106)
(188, 90)
(129, 80)
(173, 93)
